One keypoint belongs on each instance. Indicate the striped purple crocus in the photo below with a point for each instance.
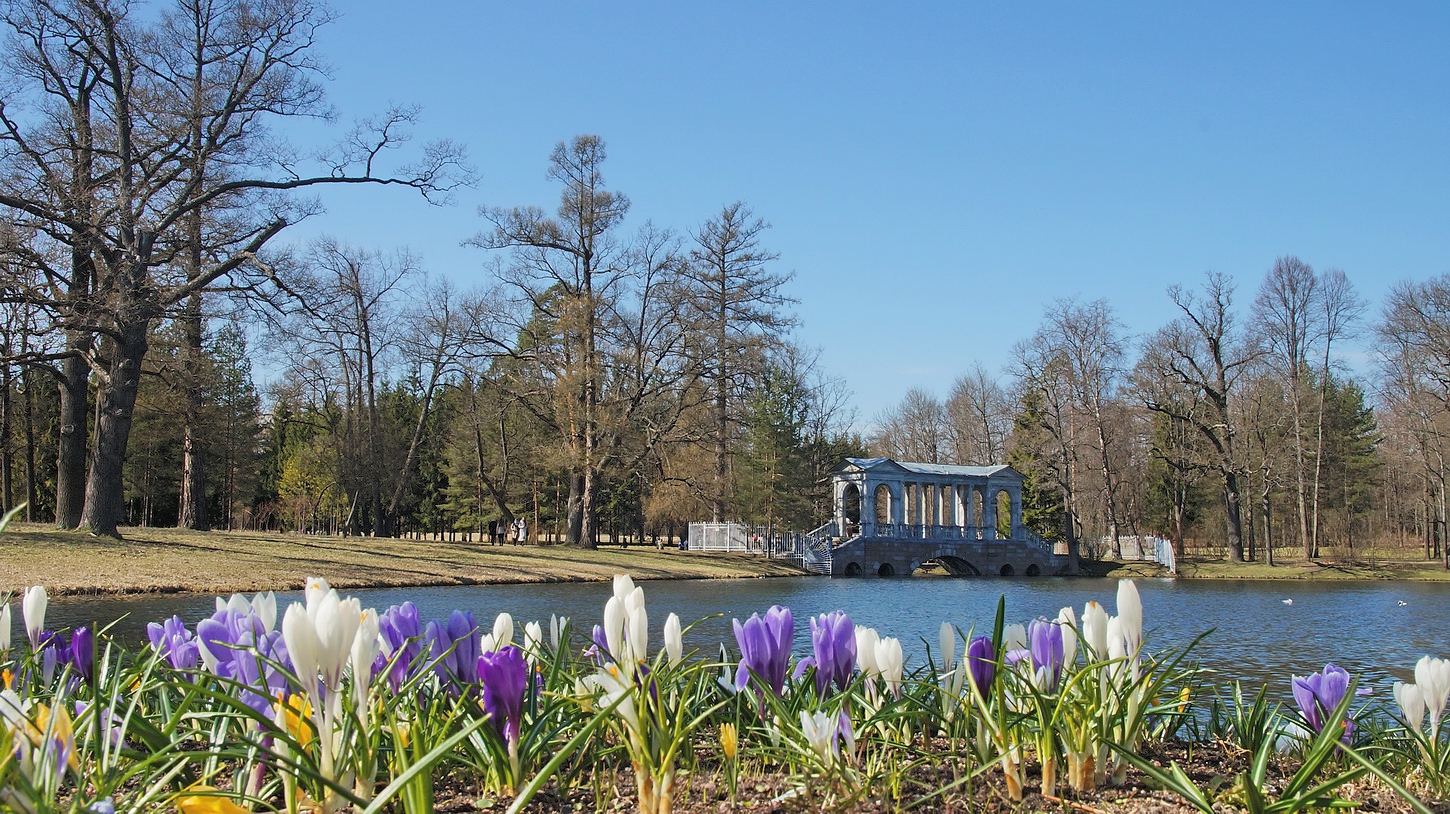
(833, 640)
(1319, 694)
(175, 643)
(765, 647)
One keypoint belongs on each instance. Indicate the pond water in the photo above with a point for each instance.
(1375, 629)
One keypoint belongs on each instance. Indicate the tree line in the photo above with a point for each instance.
(1239, 427)
(603, 382)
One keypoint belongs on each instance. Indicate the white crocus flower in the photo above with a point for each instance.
(314, 589)
(533, 640)
(1014, 637)
(820, 732)
(674, 640)
(1067, 620)
(4, 628)
(637, 624)
(1117, 646)
(337, 623)
(366, 646)
(1433, 677)
(503, 631)
(866, 641)
(300, 635)
(1095, 630)
(557, 624)
(32, 610)
(890, 660)
(611, 688)
(947, 637)
(1412, 703)
(485, 644)
(614, 626)
(623, 586)
(1130, 611)
(236, 603)
(264, 605)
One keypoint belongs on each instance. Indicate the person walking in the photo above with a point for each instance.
(521, 531)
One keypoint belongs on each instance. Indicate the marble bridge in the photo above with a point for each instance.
(893, 517)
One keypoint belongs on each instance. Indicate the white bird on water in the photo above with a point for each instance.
(1288, 601)
(1403, 603)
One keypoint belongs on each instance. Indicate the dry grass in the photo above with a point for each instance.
(1322, 569)
(170, 560)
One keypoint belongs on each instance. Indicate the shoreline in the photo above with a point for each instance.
(172, 561)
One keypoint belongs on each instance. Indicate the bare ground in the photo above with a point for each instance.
(170, 560)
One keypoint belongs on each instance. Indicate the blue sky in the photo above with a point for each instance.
(936, 172)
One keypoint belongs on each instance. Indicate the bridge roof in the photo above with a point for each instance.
(950, 470)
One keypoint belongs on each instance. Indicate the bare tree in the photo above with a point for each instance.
(1204, 353)
(152, 190)
(915, 430)
(979, 418)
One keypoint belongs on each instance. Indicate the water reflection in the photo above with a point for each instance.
(1359, 625)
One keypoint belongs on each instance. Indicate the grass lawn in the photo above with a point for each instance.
(169, 560)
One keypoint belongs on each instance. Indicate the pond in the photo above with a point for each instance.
(1375, 629)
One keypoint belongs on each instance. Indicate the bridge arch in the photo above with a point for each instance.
(956, 566)
(886, 570)
(851, 504)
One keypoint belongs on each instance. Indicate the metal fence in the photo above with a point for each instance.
(742, 538)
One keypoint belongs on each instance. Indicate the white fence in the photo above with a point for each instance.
(1147, 548)
(743, 539)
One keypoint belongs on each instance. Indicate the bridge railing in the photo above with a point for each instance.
(916, 531)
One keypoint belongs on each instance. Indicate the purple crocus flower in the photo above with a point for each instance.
(600, 649)
(237, 646)
(1319, 694)
(505, 676)
(175, 643)
(83, 653)
(765, 647)
(454, 647)
(981, 663)
(1044, 640)
(833, 639)
(401, 628)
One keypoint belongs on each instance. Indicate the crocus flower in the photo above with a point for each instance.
(175, 643)
(674, 640)
(1412, 703)
(1130, 611)
(891, 662)
(765, 647)
(454, 647)
(833, 640)
(866, 640)
(83, 652)
(1014, 637)
(4, 628)
(1095, 631)
(1433, 678)
(400, 631)
(557, 625)
(532, 640)
(981, 664)
(1319, 694)
(822, 734)
(505, 676)
(503, 630)
(32, 610)
(1067, 621)
(1045, 643)
(947, 638)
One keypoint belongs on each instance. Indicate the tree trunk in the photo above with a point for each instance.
(574, 529)
(104, 488)
(193, 510)
(70, 465)
(1232, 519)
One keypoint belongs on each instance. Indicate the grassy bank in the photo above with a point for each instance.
(170, 560)
(1420, 570)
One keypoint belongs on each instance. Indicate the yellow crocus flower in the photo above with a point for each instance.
(209, 801)
(729, 740)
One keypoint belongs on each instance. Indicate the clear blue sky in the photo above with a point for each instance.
(936, 172)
